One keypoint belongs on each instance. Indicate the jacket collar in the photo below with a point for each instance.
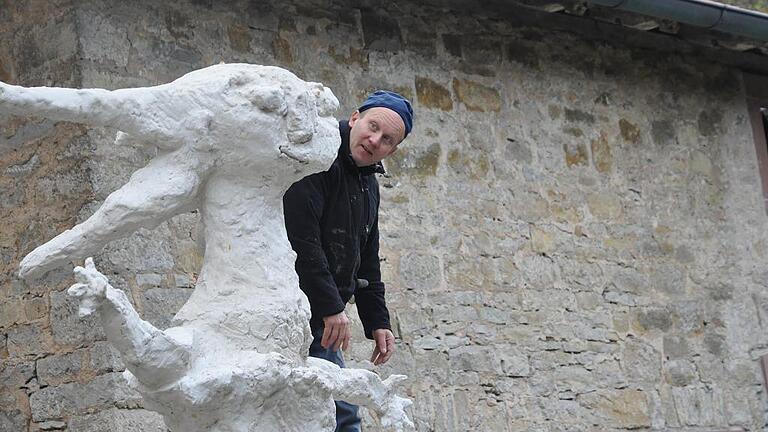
(346, 156)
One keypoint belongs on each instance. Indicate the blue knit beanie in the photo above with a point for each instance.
(393, 101)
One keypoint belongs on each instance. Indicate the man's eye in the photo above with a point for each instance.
(373, 126)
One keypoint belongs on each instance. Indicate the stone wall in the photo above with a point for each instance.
(572, 236)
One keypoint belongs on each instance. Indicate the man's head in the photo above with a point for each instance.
(378, 126)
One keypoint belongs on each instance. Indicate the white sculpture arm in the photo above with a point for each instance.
(153, 356)
(166, 187)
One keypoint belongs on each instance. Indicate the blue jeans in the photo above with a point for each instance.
(347, 419)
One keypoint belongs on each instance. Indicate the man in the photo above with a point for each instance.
(332, 224)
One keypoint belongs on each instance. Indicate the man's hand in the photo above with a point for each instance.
(336, 333)
(385, 346)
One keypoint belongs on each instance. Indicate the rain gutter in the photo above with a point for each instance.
(699, 13)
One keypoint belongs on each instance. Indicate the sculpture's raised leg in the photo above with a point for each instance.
(360, 387)
(155, 357)
(167, 186)
(122, 109)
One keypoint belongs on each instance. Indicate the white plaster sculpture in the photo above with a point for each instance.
(230, 139)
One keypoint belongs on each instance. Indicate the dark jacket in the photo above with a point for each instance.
(333, 226)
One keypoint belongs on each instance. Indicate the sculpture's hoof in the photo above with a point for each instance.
(393, 417)
(91, 288)
(30, 266)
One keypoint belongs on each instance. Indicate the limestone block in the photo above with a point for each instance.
(118, 420)
(514, 362)
(3, 347)
(621, 298)
(104, 40)
(496, 315)
(676, 347)
(433, 95)
(453, 314)
(67, 327)
(142, 250)
(161, 304)
(542, 241)
(36, 308)
(431, 365)
(537, 271)
(475, 359)
(28, 340)
(697, 316)
(620, 408)
(11, 312)
(51, 425)
(149, 279)
(668, 279)
(380, 31)
(523, 52)
(739, 406)
(518, 151)
(576, 115)
(14, 375)
(419, 36)
(419, 162)
(428, 343)
(479, 49)
(680, 372)
(61, 368)
(420, 272)
(654, 318)
(697, 406)
(663, 133)
(104, 391)
(641, 362)
(709, 121)
(12, 420)
(104, 358)
(601, 153)
(605, 206)
(477, 97)
(629, 131)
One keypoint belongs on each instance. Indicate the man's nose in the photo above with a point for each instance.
(375, 139)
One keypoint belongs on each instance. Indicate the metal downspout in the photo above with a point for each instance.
(699, 13)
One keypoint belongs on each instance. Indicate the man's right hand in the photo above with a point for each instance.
(337, 332)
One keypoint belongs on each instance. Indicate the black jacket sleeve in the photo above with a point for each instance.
(371, 305)
(303, 209)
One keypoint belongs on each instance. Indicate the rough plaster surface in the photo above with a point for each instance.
(588, 258)
(228, 140)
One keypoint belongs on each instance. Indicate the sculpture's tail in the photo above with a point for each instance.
(167, 186)
(121, 109)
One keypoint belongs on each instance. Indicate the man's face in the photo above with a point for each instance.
(375, 135)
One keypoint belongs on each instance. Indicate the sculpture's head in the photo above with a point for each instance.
(275, 121)
(312, 131)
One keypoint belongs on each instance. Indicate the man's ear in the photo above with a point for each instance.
(354, 118)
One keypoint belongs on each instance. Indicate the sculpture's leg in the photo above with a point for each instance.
(360, 387)
(154, 357)
(167, 186)
(122, 109)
